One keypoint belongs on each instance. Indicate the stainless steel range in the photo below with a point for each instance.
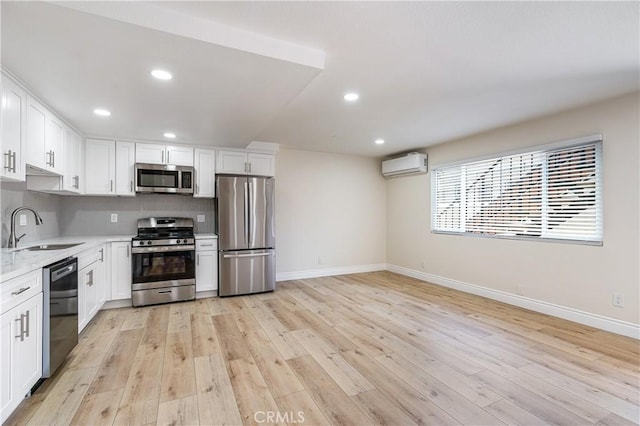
(163, 261)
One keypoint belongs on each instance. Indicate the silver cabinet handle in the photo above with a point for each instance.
(131, 185)
(101, 255)
(27, 317)
(168, 154)
(13, 162)
(234, 256)
(163, 155)
(7, 163)
(22, 290)
(111, 185)
(128, 249)
(53, 158)
(206, 245)
(90, 278)
(48, 155)
(198, 260)
(196, 188)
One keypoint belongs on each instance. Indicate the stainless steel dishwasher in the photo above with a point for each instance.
(60, 313)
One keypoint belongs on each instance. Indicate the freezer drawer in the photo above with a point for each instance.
(246, 272)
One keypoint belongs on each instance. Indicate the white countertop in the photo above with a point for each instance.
(16, 262)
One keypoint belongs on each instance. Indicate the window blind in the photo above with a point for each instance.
(541, 194)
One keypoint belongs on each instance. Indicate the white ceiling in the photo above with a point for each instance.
(427, 72)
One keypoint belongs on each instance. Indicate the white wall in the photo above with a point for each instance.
(328, 206)
(576, 276)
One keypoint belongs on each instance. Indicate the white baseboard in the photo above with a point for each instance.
(205, 294)
(113, 304)
(594, 320)
(315, 273)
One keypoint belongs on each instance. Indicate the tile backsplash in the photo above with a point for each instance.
(67, 215)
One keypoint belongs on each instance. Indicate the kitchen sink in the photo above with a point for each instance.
(50, 247)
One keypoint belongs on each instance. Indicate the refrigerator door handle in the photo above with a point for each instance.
(249, 222)
(234, 256)
(246, 213)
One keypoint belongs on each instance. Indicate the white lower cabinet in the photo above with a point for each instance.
(206, 264)
(120, 270)
(91, 285)
(20, 340)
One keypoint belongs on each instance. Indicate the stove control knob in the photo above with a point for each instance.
(148, 243)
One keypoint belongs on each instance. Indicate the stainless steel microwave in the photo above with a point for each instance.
(164, 178)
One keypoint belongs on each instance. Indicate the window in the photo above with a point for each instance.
(552, 193)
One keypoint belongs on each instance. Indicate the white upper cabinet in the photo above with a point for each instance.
(109, 167)
(13, 119)
(44, 133)
(100, 158)
(205, 161)
(125, 164)
(164, 154)
(35, 132)
(73, 162)
(245, 163)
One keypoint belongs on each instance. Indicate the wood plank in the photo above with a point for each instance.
(250, 389)
(113, 373)
(216, 399)
(62, 402)
(183, 411)
(203, 332)
(135, 319)
(230, 338)
(511, 414)
(447, 398)
(98, 408)
(380, 409)
(336, 406)
(179, 318)
(275, 371)
(421, 410)
(300, 407)
(327, 356)
(178, 374)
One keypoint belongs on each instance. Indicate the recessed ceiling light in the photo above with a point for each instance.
(351, 96)
(161, 74)
(102, 112)
(379, 141)
(170, 135)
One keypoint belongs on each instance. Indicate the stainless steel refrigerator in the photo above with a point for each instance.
(246, 235)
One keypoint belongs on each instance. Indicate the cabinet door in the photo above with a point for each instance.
(125, 164)
(262, 164)
(206, 270)
(54, 135)
(180, 155)
(234, 162)
(35, 132)
(21, 350)
(205, 173)
(72, 160)
(100, 170)
(150, 153)
(13, 119)
(120, 270)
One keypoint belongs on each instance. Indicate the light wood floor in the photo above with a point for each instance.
(374, 348)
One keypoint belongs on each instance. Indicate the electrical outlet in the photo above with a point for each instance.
(200, 218)
(617, 300)
(114, 217)
(23, 220)
(519, 289)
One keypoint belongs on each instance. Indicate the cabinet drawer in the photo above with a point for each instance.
(208, 244)
(17, 290)
(90, 256)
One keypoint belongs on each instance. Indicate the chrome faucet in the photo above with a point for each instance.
(13, 240)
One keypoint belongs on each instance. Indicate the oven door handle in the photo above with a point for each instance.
(162, 249)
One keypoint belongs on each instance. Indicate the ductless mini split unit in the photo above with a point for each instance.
(408, 164)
